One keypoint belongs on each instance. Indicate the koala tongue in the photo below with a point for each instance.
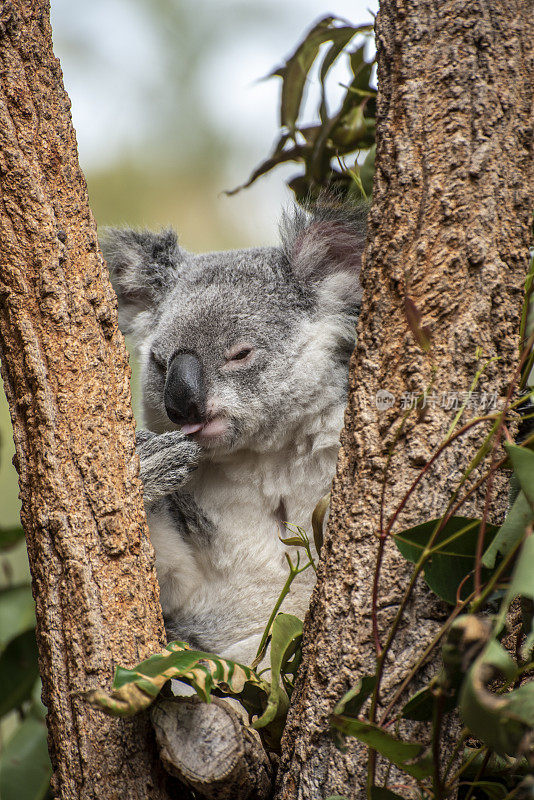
(192, 428)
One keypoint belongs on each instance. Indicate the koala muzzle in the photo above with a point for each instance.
(185, 393)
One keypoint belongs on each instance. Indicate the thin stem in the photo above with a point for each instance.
(503, 566)
(456, 749)
(452, 780)
(437, 717)
(479, 774)
(293, 572)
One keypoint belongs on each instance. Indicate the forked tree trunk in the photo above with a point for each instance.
(65, 371)
(449, 229)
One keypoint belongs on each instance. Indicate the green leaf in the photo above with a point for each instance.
(286, 638)
(295, 70)
(511, 531)
(135, 689)
(319, 513)
(18, 671)
(522, 512)
(10, 537)
(521, 584)
(419, 707)
(335, 50)
(293, 541)
(25, 769)
(523, 463)
(495, 791)
(408, 756)
(278, 157)
(453, 556)
(499, 720)
(381, 793)
(17, 612)
(351, 703)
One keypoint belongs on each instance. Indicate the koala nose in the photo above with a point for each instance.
(185, 394)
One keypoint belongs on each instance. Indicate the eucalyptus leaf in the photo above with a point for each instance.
(278, 157)
(295, 70)
(333, 52)
(410, 757)
(25, 768)
(501, 721)
(135, 689)
(286, 636)
(453, 556)
(319, 513)
(351, 703)
(18, 671)
(493, 790)
(420, 706)
(511, 531)
(523, 463)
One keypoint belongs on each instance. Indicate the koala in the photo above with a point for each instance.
(244, 372)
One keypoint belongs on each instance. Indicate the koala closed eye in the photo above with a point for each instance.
(239, 356)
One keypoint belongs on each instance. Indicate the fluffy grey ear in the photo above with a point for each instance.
(324, 247)
(142, 266)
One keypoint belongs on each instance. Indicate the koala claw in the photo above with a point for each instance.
(166, 459)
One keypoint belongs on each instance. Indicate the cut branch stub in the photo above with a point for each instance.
(209, 748)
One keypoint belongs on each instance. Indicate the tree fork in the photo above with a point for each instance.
(66, 375)
(448, 233)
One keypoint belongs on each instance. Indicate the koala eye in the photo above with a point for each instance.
(246, 351)
(242, 353)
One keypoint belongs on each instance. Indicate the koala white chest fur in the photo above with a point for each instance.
(244, 363)
(234, 577)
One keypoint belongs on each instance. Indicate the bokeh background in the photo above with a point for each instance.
(170, 110)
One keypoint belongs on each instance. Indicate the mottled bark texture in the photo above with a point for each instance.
(449, 228)
(65, 370)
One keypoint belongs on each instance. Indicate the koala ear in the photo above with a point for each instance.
(324, 247)
(142, 266)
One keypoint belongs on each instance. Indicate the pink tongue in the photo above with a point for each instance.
(192, 428)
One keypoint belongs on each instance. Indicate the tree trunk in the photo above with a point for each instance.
(65, 370)
(448, 229)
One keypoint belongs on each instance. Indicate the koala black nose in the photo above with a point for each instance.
(185, 394)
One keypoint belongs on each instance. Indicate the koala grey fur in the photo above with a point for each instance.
(260, 339)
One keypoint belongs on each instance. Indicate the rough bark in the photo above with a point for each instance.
(449, 228)
(209, 748)
(65, 370)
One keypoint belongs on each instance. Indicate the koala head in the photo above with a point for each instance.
(239, 348)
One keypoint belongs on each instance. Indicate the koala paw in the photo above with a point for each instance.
(167, 460)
